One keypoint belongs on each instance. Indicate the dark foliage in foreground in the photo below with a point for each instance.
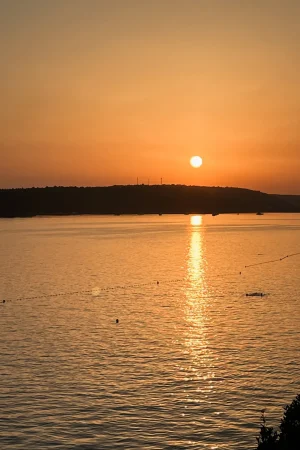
(142, 199)
(288, 438)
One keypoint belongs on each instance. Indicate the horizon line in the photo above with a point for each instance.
(136, 185)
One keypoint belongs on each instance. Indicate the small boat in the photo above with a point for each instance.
(255, 294)
(215, 214)
(259, 213)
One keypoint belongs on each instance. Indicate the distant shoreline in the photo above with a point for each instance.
(41, 216)
(141, 200)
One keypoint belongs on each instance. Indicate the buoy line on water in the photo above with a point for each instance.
(272, 260)
(95, 291)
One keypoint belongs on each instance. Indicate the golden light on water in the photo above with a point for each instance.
(196, 305)
(197, 290)
(196, 261)
(196, 221)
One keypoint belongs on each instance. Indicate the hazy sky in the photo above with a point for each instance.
(101, 91)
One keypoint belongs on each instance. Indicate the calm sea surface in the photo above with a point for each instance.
(192, 361)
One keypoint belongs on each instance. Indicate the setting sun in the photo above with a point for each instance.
(196, 161)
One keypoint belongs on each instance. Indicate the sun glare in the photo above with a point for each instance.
(196, 161)
(196, 221)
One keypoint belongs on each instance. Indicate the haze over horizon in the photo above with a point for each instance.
(101, 92)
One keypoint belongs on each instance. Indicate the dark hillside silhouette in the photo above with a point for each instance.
(140, 199)
(292, 199)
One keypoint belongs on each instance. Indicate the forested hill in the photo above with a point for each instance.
(142, 199)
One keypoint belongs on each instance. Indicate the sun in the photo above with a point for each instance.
(196, 161)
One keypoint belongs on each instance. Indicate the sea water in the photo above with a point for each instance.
(192, 360)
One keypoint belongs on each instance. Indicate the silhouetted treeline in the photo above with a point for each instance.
(142, 199)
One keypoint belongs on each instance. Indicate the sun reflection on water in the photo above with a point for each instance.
(196, 306)
(196, 220)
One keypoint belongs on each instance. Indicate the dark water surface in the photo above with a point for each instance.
(191, 362)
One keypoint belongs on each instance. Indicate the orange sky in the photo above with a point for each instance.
(99, 92)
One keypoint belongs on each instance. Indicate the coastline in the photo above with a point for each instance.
(141, 200)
